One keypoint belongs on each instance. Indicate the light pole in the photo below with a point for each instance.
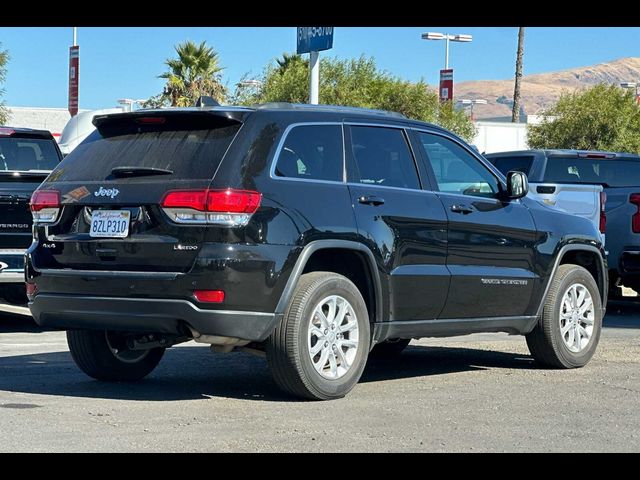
(477, 101)
(632, 85)
(447, 37)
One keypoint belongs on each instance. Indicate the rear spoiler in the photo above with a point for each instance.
(119, 123)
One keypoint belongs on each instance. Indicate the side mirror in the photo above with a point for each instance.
(517, 184)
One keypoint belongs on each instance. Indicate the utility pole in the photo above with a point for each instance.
(515, 113)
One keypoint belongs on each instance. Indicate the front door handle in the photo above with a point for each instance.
(461, 209)
(371, 200)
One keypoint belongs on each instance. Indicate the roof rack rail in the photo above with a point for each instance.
(332, 108)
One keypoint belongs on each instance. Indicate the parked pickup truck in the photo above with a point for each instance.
(26, 158)
(556, 181)
(618, 173)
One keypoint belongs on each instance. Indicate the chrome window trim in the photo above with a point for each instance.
(283, 138)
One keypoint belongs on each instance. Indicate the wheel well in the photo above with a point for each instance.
(350, 263)
(590, 261)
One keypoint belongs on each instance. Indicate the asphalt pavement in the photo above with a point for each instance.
(478, 393)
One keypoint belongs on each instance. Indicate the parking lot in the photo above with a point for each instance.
(464, 394)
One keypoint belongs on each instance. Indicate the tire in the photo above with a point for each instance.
(390, 348)
(546, 342)
(289, 347)
(92, 352)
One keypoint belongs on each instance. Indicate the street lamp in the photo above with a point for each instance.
(447, 37)
(477, 101)
(632, 85)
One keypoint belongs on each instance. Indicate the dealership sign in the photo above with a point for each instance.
(446, 85)
(74, 78)
(314, 39)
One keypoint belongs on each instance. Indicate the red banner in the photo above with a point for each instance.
(74, 79)
(446, 85)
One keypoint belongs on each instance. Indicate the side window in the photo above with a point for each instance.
(312, 152)
(456, 170)
(382, 157)
(507, 164)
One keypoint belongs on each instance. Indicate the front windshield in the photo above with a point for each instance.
(27, 154)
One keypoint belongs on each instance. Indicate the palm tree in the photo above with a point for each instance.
(195, 72)
(515, 113)
(287, 61)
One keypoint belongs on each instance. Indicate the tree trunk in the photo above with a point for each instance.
(515, 114)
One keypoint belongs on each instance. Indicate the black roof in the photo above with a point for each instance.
(566, 152)
(28, 132)
(239, 113)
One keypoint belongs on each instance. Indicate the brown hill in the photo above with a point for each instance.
(542, 90)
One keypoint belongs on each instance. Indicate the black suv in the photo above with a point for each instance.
(315, 234)
(26, 158)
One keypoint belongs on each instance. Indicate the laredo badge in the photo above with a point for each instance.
(75, 195)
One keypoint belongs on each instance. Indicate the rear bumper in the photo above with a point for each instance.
(167, 316)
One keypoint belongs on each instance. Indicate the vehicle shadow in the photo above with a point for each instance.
(192, 373)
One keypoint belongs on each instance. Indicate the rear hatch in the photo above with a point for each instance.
(26, 158)
(124, 169)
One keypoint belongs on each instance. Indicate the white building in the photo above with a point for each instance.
(52, 119)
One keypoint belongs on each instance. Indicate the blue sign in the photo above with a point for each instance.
(314, 39)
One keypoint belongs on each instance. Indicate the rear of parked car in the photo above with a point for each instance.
(556, 183)
(26, 158)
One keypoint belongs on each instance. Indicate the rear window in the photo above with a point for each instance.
(611, 172)
(27, 154)
(189, 153)
(508, 164)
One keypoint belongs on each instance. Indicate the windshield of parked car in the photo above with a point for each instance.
(27, 154)
(607, 171)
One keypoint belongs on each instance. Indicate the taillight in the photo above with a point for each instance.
(635, 219)
(6, 132)
(603, 215)
(45, 206)
(209, 296)
(218, 207)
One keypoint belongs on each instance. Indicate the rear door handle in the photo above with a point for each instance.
(461, 209)
(371, 200)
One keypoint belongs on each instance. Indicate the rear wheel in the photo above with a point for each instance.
(390, 348)
(104, 355)
(568, 332)
(319, 349)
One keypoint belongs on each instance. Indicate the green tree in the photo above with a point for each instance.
(357, 83)
(603, 117)
(195, 72)
(4, 59)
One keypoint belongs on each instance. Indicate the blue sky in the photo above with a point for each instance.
(124, 62)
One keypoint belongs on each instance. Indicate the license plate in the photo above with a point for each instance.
(110, 223)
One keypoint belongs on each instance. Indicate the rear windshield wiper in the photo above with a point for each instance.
(139, 171)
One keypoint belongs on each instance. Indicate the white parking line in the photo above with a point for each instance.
(15, 309)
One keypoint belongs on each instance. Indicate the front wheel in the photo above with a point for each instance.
(319, 349)
(568, 331)
(104, 355)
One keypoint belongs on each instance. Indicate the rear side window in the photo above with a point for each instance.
(508, 164)
(607, 171)
(312, 152)
(191, 153)
(27, 154)
(382, 157)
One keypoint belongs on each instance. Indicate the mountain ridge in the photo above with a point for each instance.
(541, 90)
